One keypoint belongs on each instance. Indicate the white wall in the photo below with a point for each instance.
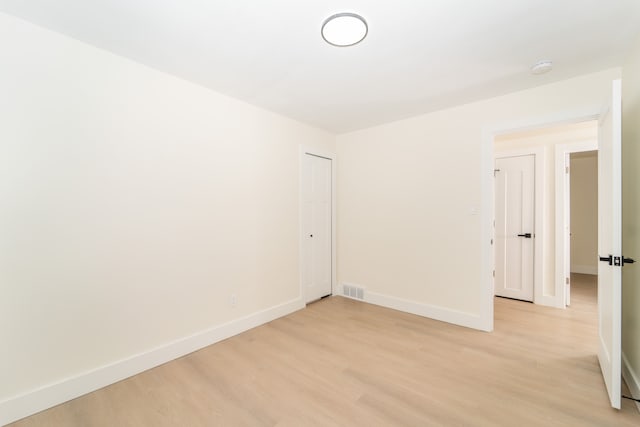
(584, 212)
(414, 198)
(548, 138)
(133, 205)
(630, 215)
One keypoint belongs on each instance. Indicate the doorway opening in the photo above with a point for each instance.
(581, 234)
(576, 216)
(551, 147)
(607, 136)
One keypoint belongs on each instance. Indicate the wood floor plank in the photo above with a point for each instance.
(341, 362)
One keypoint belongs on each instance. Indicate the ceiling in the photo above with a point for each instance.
(419, 56)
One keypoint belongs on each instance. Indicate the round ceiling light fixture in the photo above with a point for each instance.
(344, 29)
(542, 67)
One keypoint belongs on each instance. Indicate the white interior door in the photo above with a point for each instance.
(514, 226)
(610, 244)
(317, 227)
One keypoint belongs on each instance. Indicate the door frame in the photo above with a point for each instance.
(489, 134)
(563, 204)
(538, 154)
(330, 155)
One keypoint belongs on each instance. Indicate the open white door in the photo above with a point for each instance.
(610, 244)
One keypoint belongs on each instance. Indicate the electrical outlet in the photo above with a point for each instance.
(233, 300)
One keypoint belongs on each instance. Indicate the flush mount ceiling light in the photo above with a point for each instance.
(541, 67)
(344, 29)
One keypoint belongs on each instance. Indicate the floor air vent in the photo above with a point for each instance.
(353, 291)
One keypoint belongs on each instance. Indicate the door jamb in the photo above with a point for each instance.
(538, 154)
(331, 155)
(562, 150)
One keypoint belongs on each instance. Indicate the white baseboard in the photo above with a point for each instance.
(584, 269)
(632, 379)
(431, 311)
(50, 395)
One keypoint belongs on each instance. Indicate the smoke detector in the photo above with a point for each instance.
(542, 67)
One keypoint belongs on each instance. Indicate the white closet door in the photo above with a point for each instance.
(317, 227)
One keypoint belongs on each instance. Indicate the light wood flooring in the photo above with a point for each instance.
(345, 363)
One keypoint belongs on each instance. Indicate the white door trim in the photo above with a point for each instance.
(562, 201)
(331, 155)
(538, 154)
(487, 189)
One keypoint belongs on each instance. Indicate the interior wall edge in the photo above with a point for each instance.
(50, 395)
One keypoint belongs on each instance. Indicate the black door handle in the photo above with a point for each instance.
(525, 235)
(608, 259)
(619, 261)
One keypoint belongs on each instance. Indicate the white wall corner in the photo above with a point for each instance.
(50, 395)
(632, 379)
